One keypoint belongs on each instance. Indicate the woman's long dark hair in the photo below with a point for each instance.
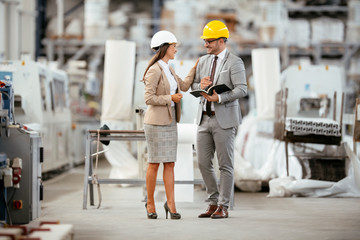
(160, 53)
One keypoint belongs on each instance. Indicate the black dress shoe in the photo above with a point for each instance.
(210, 210)
(221, 212)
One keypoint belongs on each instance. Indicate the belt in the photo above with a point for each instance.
(212, 113)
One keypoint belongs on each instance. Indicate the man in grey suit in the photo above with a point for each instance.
(218, 116)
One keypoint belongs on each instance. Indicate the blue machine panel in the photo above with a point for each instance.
(6, 80)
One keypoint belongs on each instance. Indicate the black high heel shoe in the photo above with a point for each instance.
(172, 215)
(150, 215)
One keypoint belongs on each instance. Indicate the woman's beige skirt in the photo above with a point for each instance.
(162, 141)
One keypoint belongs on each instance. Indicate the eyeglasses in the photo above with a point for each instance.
(210, 41)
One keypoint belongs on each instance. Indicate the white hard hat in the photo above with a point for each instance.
(162, 37)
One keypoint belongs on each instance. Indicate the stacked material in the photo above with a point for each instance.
(10, 233)
(45, 231)
(53, 231)
(318, 126)
(299, 33)
(325, 29)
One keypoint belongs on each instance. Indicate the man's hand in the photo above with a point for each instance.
(212, 98)
(205, 82)
(176, 97)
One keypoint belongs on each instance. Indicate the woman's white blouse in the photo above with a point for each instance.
(170, 77)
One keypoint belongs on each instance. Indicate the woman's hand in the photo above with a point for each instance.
(176, 97)
(196, 63)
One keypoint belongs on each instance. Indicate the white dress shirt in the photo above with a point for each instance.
(170, 77)
(221, 57)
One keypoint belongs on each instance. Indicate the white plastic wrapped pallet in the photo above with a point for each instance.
(252, 166)
(266, 71)
(347, 187)
(117, 106)
(118, 80)
(260, 158)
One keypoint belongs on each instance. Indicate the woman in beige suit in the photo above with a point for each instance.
(162, 97)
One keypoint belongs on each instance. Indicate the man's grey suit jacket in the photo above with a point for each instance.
(232, 73)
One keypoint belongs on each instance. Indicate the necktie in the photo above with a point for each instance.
(208, 104)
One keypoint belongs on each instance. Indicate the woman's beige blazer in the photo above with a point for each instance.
(157, 95)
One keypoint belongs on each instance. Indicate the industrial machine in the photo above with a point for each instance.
(41, 103)
(6, 100)
(20, 160)
(20, 176)
(306, 119)
(311, 90)
(310, 103)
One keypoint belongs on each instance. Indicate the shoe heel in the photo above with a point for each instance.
(166, 209)
(166, 213)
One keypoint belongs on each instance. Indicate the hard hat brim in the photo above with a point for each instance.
(157, 48)
(177, 44)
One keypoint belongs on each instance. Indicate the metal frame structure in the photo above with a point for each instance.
(119, 135)
(356, 135)
(282, 134)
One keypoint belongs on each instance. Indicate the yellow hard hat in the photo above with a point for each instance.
(215, 29)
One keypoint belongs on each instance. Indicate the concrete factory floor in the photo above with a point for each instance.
(122, 214)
